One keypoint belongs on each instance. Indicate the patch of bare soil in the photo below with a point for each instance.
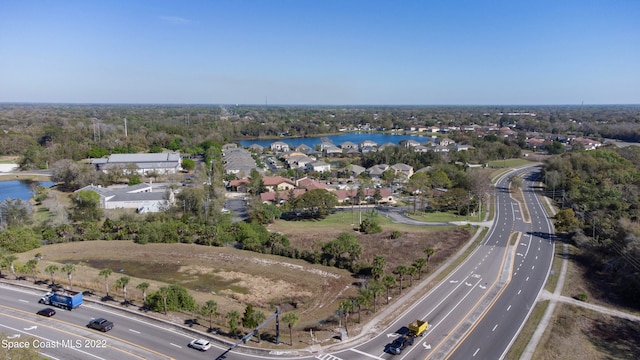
(578, 333)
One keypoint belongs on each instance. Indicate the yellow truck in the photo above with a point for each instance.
(418, 327)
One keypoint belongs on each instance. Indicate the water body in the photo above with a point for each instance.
(338, 139)
(19, 189)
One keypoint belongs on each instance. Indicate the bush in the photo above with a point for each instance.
(582, 297)
(395, 234)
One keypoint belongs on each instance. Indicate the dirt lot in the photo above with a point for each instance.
(234, 278)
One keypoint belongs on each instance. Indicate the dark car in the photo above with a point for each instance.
(101, 324)
(48, 312)
(399, 344)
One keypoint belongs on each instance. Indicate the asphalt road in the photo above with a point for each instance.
(497, 330)
(131, 337)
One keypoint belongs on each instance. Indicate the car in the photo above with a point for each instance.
(200, 344)
(400, 344)
(48, 312)
(101, 324)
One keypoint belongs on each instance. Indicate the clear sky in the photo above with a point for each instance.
(340, 52)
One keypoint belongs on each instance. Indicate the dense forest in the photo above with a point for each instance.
(599, 192)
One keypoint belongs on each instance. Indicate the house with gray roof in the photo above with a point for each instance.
(238, 161)
(143, 164)
(142, 197)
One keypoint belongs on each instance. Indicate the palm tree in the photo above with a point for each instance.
(290, 319)
(259, 317)
(388, 281)
(363, 298)
(347, 307)
(419, 264)
(233, 317)
(210, 309)
(105, 273)
(122, 282)
(376, 288)
(401, 271)
(429, 252)
(32, 267)
(411, 271)
(377, 270)
(143, 286)
(10, 259)
(51, 269)
(164, 292)
(69, 269)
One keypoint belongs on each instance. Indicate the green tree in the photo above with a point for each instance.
(15, 212)
(346, 307)
(8, 261)
(388, 281)
(256, 184)
(376, 289)
(188, 164)
(363, 299)
(412, 271)
(210, 309)
(69, 269)
(19, 239)
(171, 298)
(291, 319)
(105, 273)
(316, 202)
(378, 266)
(401, 271)
(259, 317)
(122, 283)
(419, 264)
(51, 269)
(248, 321)
(429, 252)
(31, 267)
(143, 286)
(566, 220)
(233, 317)
(85, 206)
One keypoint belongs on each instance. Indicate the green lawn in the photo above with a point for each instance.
(438, 216)
(343, 220)
(508, 163)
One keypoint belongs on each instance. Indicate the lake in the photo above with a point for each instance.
(379, 138)
(20, 189)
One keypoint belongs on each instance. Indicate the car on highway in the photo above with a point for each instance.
(48, 312)
(200, 344)
(400, 344)
(101, 324)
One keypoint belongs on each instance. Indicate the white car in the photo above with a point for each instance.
(200, 344)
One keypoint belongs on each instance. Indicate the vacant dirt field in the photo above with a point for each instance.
(235, 278)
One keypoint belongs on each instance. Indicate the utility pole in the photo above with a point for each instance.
(125, 127)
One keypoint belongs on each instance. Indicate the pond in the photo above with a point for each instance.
(356, 138)
(20, 189)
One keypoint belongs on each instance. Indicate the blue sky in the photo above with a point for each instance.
(321, 52)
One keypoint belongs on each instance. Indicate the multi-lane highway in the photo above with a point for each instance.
(474, 313)
(534, 251)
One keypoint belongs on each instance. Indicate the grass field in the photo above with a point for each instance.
(578, 333)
